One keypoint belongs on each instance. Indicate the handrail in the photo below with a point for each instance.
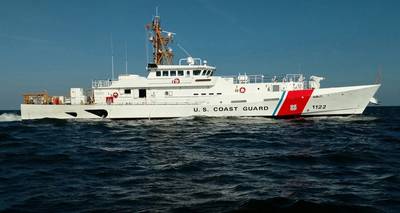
(161, 103)
(191, 61)
(250, 79)
(101, 83)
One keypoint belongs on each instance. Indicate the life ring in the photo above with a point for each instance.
(176, 81)
(115, 94)
(242, 90)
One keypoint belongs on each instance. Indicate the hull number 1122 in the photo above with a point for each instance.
(320, 106)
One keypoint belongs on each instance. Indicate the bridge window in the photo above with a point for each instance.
(208, 72)
(158, 73)
(165, 73)
(180, 73)
(212, 73)
(127, 91)
(188, 73)
(196, 72)
(172, 73)
(204, 72)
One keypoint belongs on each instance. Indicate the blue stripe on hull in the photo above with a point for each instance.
(279, 103)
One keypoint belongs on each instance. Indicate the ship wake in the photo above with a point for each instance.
(9, 117)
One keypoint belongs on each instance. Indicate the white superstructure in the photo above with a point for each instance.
(191, 88)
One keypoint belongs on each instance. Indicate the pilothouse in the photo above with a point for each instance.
(192, 88)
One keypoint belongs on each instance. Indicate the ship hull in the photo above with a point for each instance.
(319, 102)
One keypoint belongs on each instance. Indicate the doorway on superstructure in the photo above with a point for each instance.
(142, 93)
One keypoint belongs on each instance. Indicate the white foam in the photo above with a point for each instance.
(7, 117)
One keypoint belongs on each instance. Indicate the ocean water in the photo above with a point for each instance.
(321, 164)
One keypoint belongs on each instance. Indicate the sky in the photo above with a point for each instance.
(54, 45)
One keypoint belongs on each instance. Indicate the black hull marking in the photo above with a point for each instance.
(73, 114)
(99, 112)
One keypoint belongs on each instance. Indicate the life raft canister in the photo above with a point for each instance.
(115, 94)
(176, 81)
(242, 90)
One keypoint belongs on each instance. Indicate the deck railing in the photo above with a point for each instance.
(251, 79)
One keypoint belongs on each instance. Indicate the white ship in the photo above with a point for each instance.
(192, 88)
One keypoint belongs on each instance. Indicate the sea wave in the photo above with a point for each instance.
(9, 117)
(202, 164)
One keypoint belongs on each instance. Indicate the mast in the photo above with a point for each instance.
(160, 39)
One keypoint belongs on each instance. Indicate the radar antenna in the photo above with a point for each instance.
(160, 39)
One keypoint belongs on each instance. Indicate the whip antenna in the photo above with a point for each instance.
(378, 79)
(183, 49)
(112, 59)
(126, 57)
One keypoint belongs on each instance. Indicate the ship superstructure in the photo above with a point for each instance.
(192, 88)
